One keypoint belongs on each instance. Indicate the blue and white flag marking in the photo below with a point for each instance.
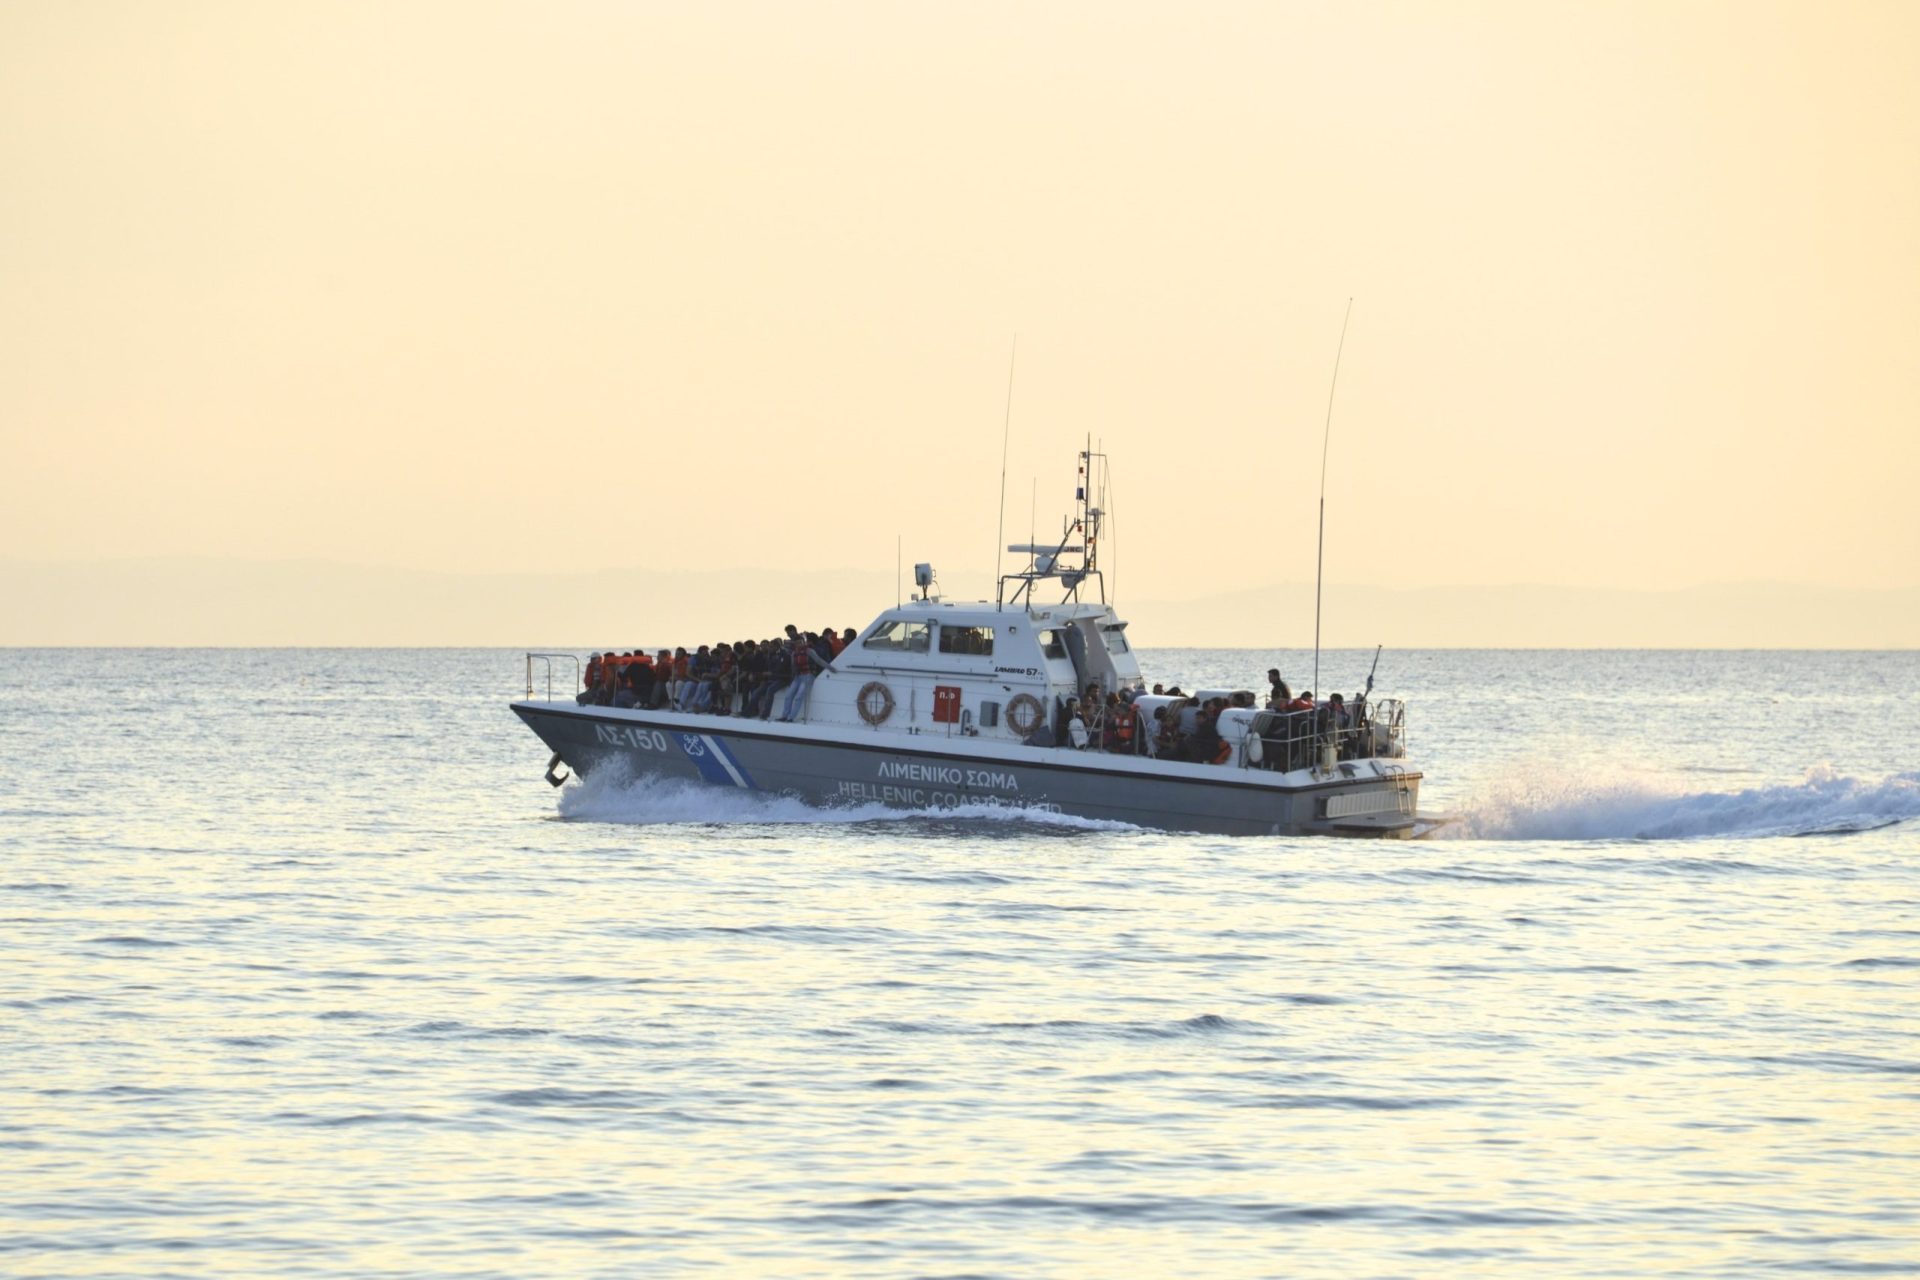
(715, 762)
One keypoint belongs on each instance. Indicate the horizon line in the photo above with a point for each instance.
(629, 570)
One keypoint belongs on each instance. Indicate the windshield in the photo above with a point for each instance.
(900, 637)
(968, 640)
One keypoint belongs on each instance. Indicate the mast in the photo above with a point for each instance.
(1006, 430)
(1320, 550)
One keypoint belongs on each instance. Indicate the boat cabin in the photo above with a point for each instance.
(954, 668)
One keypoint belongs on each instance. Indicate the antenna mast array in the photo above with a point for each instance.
(1090, 495)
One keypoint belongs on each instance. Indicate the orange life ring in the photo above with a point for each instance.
(874, 702)
(1023, 714)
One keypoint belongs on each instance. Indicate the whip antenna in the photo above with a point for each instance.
(1320, 551)
(1006, 431)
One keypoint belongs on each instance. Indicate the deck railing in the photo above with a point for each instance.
(1318, 738)
(546, 661)
(1283, 740)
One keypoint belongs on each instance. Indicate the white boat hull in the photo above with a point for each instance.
(838, 766)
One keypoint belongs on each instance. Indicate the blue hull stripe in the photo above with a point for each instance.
(715, 762)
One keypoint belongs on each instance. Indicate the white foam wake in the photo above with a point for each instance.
(609, 796)
(1545, 806)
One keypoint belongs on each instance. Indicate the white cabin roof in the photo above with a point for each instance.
(985, 613)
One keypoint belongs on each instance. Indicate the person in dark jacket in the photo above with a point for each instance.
(751, 673)
(823, 651)
(725, 675)
(640, 672)
(779, 676)
(1203, 744)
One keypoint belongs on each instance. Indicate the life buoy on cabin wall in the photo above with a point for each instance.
(1023, 714)
(875, 702)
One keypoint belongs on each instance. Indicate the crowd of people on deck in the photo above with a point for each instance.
(770, 680)
(763, 679)
(1109, 721)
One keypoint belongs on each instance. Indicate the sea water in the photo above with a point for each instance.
(304, 971)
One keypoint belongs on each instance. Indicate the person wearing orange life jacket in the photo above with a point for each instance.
(590, 683)
(1120, 717)
(697, 690)
(662, 679)
(623, 681)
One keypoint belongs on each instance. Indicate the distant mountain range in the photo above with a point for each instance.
(230, 602)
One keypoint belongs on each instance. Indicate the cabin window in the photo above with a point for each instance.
(1053, 644)
(967, 640)
(899, 637)
(1116, 639)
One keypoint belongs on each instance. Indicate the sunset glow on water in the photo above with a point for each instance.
(305, 969)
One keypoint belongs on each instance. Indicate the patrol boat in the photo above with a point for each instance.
(941, 704)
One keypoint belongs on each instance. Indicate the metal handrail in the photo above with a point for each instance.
(1375, 730)
(547, 660)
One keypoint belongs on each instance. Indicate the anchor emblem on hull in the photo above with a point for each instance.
(691, 744)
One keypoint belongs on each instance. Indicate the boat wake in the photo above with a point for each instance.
(1541, 806)
(644, 801)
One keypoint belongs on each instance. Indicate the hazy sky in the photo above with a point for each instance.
(497, 286)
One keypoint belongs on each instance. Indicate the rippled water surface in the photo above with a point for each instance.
(303, 970)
